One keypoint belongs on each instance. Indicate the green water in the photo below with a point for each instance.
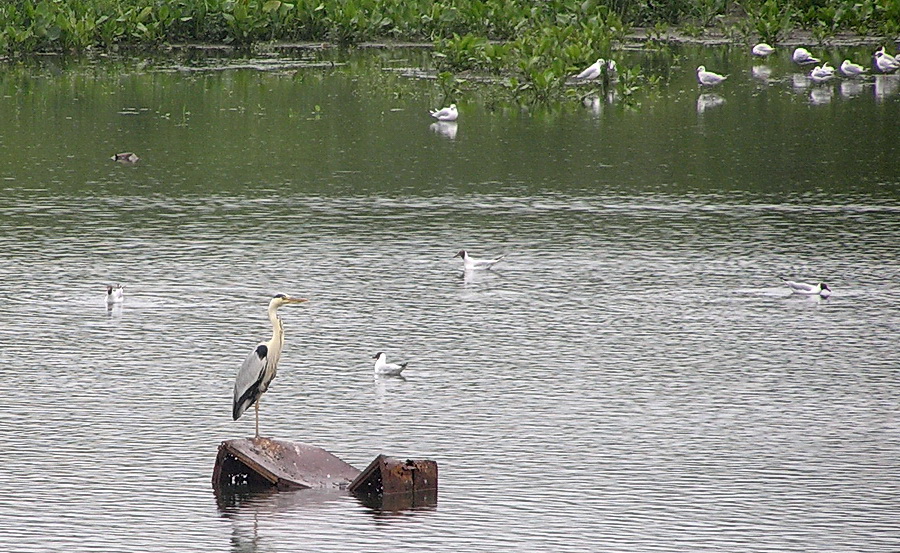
(633, 376)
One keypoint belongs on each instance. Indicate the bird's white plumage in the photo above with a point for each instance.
(885, 62)
(592, 71)
(115, 294)
(708, 78)
(762, 50)
(820, 289)
(471, 264)
(446, 114)
(820, 74)
(383, 368)
(803, 57)
(850, 69)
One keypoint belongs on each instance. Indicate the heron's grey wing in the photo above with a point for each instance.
(249, 378)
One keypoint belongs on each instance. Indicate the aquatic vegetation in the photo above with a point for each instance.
(770, 20)
(533, 47)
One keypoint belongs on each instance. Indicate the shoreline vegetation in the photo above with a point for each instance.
(530, 48)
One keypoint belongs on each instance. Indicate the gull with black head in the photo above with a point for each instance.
(383, 368)
(802, 288)
(471, 264)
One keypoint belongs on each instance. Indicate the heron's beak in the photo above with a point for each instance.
(295, 300)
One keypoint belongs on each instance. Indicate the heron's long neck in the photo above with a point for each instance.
(277, 333)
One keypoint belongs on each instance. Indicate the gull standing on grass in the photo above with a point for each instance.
(471, 264)
(820, 289)
(803, 57)
(446, 114)
(383, 368)
(762, 50)
(708, 78)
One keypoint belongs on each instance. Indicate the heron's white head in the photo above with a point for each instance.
(701, 69)
(281, 299)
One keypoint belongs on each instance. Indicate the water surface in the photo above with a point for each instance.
(633, 377)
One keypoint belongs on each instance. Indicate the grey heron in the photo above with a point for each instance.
(383, 368)
(259, 368)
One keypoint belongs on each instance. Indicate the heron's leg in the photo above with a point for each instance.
(257, 417)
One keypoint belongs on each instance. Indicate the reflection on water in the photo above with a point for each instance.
(821, 95)
(445, 128)
(886, 86)
(708, 101)
(761, 72)
(850, 89)
(633, 377)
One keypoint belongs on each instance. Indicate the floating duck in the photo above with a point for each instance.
(126, 157)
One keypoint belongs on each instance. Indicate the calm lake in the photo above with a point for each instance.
(633, 377)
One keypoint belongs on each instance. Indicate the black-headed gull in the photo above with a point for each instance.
(708, 78)
(446, 114)
(820, 289)
(822, 73)
(885, 62)
(592, 71)
(471, 264)
(850, 69)
(803, 57)
(383, 368)
(115, 294)
(762, 50)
